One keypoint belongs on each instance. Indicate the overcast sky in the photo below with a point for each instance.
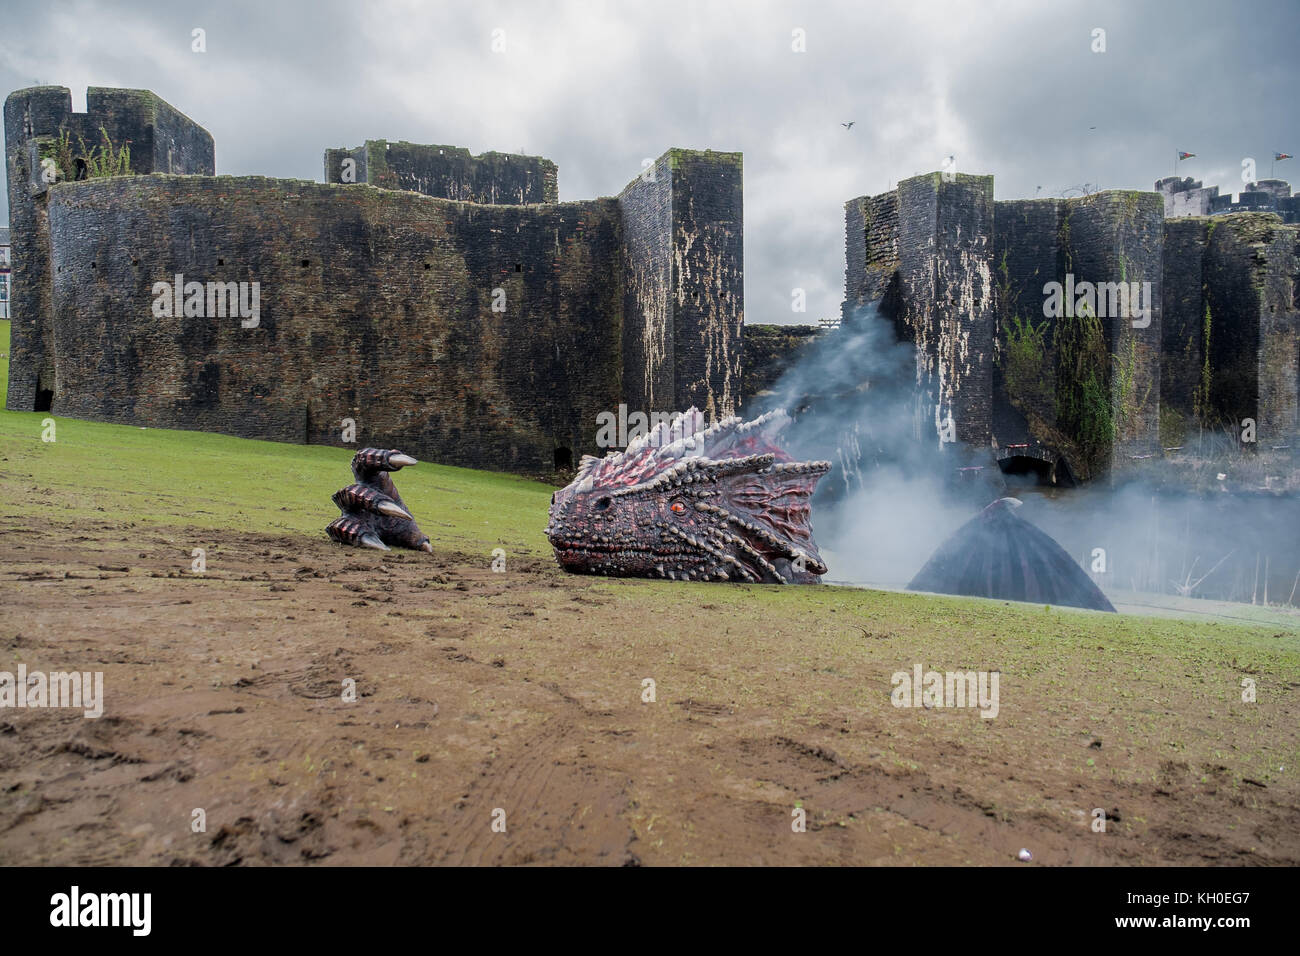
(1009, 88)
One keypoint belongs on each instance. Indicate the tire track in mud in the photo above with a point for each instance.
(832, 789)
(836, 793)
(559, 808)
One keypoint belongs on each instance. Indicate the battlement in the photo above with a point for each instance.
(1188, 197)
(446, 172)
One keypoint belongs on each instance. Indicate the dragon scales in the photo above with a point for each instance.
(686, 502)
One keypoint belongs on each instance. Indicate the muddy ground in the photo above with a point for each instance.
(521, 692)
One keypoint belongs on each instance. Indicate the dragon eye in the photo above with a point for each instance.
(678, 508)
(603, 503)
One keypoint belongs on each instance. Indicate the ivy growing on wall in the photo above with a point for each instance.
(1083, 399)
(1026, 364)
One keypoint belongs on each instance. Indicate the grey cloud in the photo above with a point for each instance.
(1010, 90)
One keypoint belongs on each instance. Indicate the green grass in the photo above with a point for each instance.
(179, 478)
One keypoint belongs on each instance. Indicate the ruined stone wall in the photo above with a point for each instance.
(1026, 255)
(160, 139)
(1083, 385)
(871, 247)
(965, 279)
(1279, 340)
(708, 280)
(1182, 333)
(1118, 236)
(447, 303)
(946, 301)
(646, 206)
(769, 351)
(683, 256)
(1251, 274)
(1228, 281)
(448, 172)
(374, 305)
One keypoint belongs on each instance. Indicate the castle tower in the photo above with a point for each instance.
(956, 272)
(45, 143)
(923, 255)
(684, 292)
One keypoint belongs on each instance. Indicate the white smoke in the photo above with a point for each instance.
(884, 508)
(893, 496)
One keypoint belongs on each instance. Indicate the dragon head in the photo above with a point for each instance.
(686, 502)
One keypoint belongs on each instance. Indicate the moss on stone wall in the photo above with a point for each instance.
(1026, 363)
(1201, 396)
(1083, 399)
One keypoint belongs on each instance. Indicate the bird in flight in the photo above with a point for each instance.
(849, 124)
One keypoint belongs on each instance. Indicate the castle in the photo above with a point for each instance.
(1188, 197)
(424, 298)
(449, 305)
(1178, 323)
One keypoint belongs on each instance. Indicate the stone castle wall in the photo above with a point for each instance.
(375, 306)
(648, 340)
(445, 303)
(770, 351)
(160, 140)
(925, 253)
(708, 280)
(921, 257)
(447, 172)
(1232, 323)
(684, 299)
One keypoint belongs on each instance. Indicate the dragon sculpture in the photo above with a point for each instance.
(686, 502)
(374, 515)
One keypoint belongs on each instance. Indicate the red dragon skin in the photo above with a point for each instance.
(691, 503)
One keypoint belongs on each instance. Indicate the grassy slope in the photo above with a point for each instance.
(1133, 671)
(215, 481)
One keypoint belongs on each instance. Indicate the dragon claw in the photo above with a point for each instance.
(393, 510)
(371, 540)
(373, 513)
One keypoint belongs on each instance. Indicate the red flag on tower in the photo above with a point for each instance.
(1277, 156)
(1182, 155)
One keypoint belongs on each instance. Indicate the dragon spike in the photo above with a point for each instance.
(392, 509)
(371, 540)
